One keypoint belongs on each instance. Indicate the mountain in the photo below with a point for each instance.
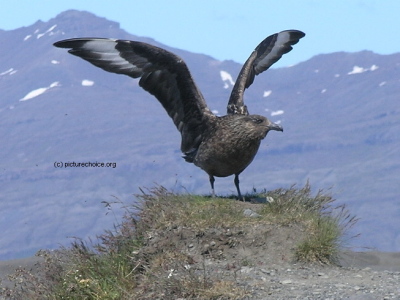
(339, 111)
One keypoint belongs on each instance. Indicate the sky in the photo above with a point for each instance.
(232, 29)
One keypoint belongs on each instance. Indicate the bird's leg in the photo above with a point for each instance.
(212, 179)
(237, 187)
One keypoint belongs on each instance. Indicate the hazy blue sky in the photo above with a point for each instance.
(231, 29)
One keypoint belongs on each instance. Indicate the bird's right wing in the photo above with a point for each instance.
(161, 73)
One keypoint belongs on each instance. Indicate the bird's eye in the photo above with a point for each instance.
(257, 121)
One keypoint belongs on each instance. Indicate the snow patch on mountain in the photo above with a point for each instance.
(373, 68)
(267, 93)
(10, 71)
(39, 35)
(87, 82)
(277, 113)
(359, 70)
(39, 91)
(226, 78)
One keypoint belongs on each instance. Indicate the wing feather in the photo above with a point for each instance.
(269, 51)
(161, 73)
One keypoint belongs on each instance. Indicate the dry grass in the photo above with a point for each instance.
(326, 224)
(160, 249)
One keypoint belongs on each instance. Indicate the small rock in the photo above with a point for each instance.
(323, 275)
(206, 249)
(272, 272)
(270, 199)
(287, 281)
(316, 292)
(249, 213)
(246, 270)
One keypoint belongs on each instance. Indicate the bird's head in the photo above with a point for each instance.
(261, 125)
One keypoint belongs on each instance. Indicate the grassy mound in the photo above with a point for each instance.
(171, 246)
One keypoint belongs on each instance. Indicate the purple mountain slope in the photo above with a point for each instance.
(340, 113)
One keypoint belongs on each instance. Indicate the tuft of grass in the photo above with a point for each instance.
(160, 248)
(327, 233)
(325, 224)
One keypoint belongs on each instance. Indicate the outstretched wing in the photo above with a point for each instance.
(268, 52)
(162, 74)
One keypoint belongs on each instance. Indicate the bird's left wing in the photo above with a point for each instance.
(269, 51)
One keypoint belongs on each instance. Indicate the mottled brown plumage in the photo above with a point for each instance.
(231, 144)
(221, 146)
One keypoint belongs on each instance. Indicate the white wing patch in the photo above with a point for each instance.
(283, 37)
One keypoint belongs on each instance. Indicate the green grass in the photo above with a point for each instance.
(146, 256)
(324, 223)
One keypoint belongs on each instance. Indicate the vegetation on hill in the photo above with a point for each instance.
(171, 246)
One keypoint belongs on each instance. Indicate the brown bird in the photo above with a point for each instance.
(221, 146)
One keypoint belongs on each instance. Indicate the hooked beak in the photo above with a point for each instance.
(274, 126)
